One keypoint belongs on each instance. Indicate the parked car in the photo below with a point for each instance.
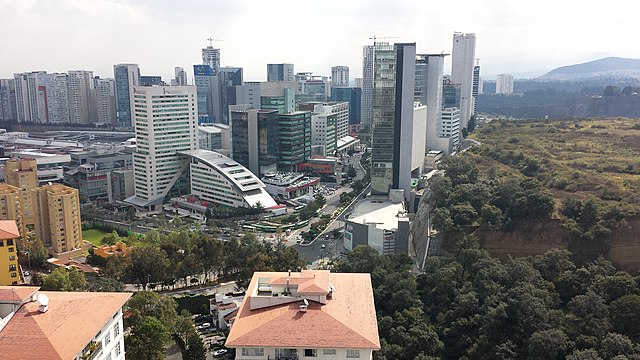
(204, 326)
(219, 352)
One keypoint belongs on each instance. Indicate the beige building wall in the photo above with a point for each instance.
(11, 207)
(23, 174)
(57, 217)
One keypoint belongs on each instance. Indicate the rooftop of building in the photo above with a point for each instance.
(341, 316)
(8, 230)
(213, 128)
(378, 211)
(71, 321)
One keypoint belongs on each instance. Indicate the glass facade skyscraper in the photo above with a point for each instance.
(392, 110)
(295, 139)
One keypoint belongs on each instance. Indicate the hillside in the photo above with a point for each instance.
(594, 162)
(610, 67)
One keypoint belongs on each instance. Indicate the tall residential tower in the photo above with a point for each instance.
(462, 61)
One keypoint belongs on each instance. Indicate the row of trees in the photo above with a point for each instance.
(469, 305)
(164, 260)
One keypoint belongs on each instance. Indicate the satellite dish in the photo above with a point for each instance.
(306, 302)
(43, 299)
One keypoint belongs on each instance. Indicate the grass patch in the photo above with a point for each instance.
(577, 158)
(93, 236)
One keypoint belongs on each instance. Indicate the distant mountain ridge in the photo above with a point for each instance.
(614, 68)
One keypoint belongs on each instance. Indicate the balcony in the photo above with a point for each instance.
(92, 350)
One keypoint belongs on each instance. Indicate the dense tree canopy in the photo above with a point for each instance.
(469, 305)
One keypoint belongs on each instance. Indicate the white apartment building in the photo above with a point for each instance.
(462, 62)
(341, 109)
(312, 314)
(59, 325)
(180, 77)
(340, 76)
(42, 98)
(450, 126)
(105, 90)
(82, 108)
(166, 121)
(504, 84)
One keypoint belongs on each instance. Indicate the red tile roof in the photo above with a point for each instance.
(73, 319)
(17, 294)
(8, 230)
(348, 320)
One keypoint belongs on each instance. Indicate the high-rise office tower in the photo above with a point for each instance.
(165, 122)
(56, 213)
(180, 77)
(255, 143)
(462, 59)
(8, 111)
(429, 91)
(126, 77)
(211, 57)
(368, 52)
(397, 131)
(82, 106)
(477, 86)
(340, 76)
(11, 207)
(105, 90)
(280, 72)
(504, 84)
(208, 90)
(294, 133)
(352, 95)
(23, 174)
(228, 78)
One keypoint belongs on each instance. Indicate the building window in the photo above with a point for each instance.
(116, 330)
(1, 242)
(118, 349)
(310, 352)
(252, 351)
(12, 267)
(9, 242)
(353, 354)
(14, 275)
(11, 249)
(329, 352)
(107, 339)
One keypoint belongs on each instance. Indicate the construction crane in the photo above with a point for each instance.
(381, 37)
(211, 40)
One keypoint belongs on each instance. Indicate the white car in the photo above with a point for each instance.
(203, 326)
(219, 352)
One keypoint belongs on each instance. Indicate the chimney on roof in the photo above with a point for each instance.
(289, 272)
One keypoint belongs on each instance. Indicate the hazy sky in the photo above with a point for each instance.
(519, 37)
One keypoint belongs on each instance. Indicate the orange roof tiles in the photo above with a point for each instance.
(348, 320)
(17, 294)
(73, 319)
(8, 230)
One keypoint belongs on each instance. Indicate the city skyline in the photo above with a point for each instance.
(511, 38)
